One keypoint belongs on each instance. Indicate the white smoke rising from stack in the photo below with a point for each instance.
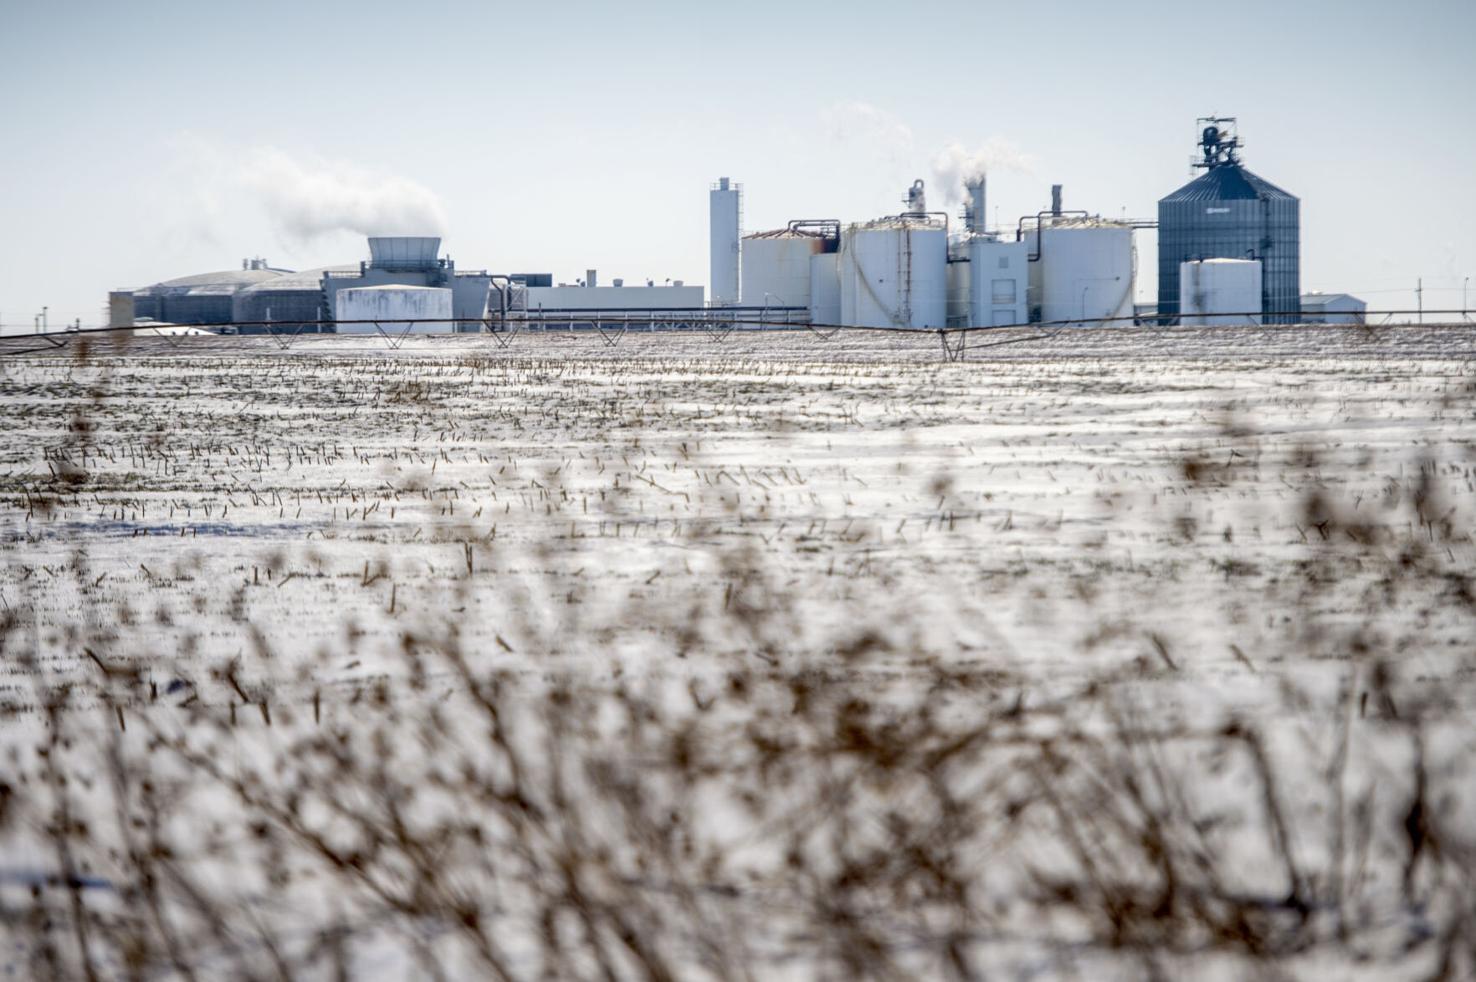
(956, 165)
(307, 199)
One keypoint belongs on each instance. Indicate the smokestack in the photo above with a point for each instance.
(975, 188)
(725, 220)
(1056, 200)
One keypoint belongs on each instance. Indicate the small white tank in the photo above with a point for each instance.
(1219, 292)
(394, 307)
(1085, 272)
(893, 273)
(776, 268)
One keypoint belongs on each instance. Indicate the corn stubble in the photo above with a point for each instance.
(555, 663)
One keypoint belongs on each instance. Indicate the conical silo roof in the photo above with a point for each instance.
(1229, 182)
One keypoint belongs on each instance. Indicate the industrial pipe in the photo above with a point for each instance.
(1040, 239)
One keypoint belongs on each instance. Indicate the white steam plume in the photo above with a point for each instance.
(308, 198)
(955, 164)
(862, 130)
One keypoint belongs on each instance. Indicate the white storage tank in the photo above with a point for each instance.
(394, 307)
(1084, 274)
(776, 268)
(894, 273)
(1219, 292)
(825, 295)
(999, 282)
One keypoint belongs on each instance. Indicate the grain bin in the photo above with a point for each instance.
(1229, 213)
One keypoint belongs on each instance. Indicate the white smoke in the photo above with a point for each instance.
(863, 131)
(306, 198)
(956, 165)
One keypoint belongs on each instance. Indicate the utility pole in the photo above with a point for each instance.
(1465, 304)
(1420, 297)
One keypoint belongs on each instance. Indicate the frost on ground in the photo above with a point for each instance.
(1101, 655)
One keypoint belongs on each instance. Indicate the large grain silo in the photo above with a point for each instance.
(1229, 213)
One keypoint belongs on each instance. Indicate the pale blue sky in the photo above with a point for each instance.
(141, 141)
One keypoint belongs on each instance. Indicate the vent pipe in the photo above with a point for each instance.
(1055, 201)
(591, 277)
(976, 217)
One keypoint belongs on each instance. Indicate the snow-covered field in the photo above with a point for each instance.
(1099, 654)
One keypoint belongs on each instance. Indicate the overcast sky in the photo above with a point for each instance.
(147, 140)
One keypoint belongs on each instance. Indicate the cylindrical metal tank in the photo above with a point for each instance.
(776, 268)
(1212, 290)
(894, 273)
(1085, 272)
(395, 308)
(825, 295)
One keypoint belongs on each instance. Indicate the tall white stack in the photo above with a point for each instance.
(724, 221)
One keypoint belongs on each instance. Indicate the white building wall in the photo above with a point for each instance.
(395, 308)
(999, 283)
(614, 297)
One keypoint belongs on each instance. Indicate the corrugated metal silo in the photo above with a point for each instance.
(1230, 213)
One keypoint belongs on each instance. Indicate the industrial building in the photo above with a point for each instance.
(1230, 213)
(1228, 252)
(204, 298)
(412, 261)
(1333, 308)
(291, 302)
